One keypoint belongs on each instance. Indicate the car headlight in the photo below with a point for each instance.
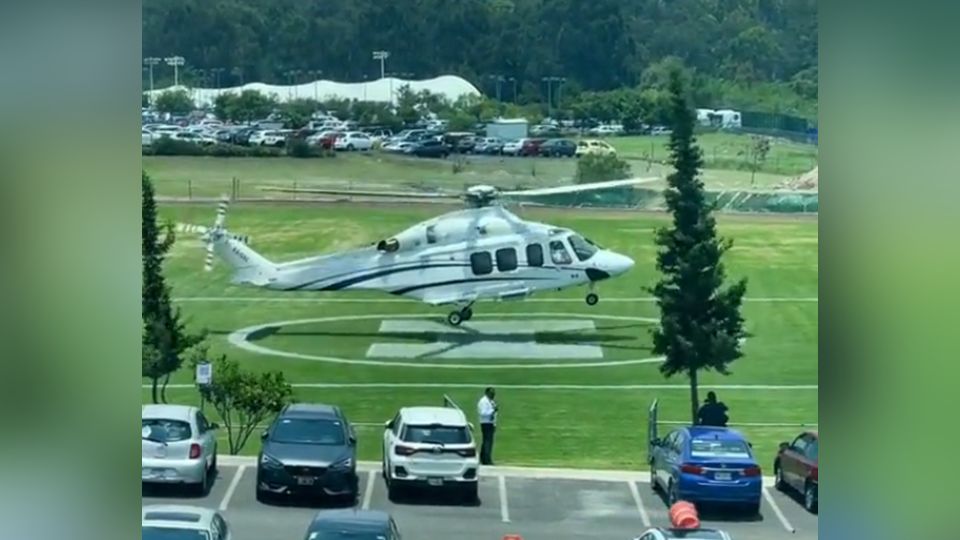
(345, 463)
(269, 461)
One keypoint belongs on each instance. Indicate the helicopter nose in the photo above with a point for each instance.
(619, 264)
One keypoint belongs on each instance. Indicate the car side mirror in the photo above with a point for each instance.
(472, 427)
(656, 442)
(214, 425)
(784, 446)
(263, 436)
(388, 424)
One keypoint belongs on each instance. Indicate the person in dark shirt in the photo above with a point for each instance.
(713, 412)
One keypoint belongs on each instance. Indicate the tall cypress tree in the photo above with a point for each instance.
(700, 322)
(165, 338)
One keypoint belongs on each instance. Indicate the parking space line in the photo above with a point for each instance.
(636, 498)
(233, 487)
(504, 510)
(776, 510)
(368, 492)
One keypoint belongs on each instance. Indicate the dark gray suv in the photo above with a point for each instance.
(310, 449)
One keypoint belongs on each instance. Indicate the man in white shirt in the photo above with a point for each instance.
(487, 410)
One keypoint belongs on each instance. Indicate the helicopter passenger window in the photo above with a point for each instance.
(481, 263)
(559, 253)
(534, 255)
(506, 259)
(582, 247)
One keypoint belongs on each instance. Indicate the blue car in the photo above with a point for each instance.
(706, 465)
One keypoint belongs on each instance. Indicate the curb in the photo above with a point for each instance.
(505, 471)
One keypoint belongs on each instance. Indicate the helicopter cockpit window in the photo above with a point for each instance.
(583, 248)
(388, 246)
(431, 234)
(559, 254)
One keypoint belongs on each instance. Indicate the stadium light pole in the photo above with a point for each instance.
(550, 80)
(175, 62)
(514, 81)
(382, 57)
(150, 62)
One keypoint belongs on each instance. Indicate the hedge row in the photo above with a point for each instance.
(172, 147)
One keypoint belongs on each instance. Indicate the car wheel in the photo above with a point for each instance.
(752, 509)
(653, 480)
(673, 494)
(778, 481)
(810, 501)
(200, 488)
(350, 148)
(393, 492)
(471, 494)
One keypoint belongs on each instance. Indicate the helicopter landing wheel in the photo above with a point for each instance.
(466, 314)
(592, 299)
(455, 318)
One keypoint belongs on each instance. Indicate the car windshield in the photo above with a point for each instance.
(583, 248)
(340, 534)
(436, 434)
(167, 533)
(719, 449)
(305, 431)
(164, 430)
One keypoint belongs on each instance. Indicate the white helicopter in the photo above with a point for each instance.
(483, 252)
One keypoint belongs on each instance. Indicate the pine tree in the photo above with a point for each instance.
(700, 322)
(165, 338)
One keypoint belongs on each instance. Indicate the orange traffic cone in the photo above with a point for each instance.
(512, 537)
(683, 515)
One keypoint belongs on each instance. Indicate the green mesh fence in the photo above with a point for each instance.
(787, 202)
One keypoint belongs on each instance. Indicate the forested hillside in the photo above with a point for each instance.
(766, 46)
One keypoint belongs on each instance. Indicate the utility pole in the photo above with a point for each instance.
(382, 57)
(550, 80)
(175, 62)
(216, 75)
(150, 62)
(498, 79)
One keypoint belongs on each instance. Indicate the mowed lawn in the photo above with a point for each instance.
(588, 427)
(725, 168)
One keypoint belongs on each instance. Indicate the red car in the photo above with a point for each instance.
(530, 147)
(797, 468)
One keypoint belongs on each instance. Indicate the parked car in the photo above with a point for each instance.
(467, 144)
(660, 130)
(178, 446)
(511, 147)
(409, 135)
(352, 523)
(606, 130)
(400, 147)
(224, 136)
(146, 137)
(797, 467)
(308, 449)
(663, 533)
(325, 139)
(488, 145)
(161, 130)
(530, 147)
(379, 136)
(274, 138)
(705, 465)
(430, 148)
(545, 131)
(593, 146)
(181, 522)
(353, 140)
(430, 447)
(558, 148)
(452, 140)
(242, 136)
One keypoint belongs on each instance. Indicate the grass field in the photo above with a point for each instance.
(209, 177)
(584, 427)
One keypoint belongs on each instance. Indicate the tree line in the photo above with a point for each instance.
(740, 50)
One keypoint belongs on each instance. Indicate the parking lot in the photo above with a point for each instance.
(535, 504)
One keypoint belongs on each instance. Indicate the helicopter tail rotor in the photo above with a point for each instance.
(213, 236)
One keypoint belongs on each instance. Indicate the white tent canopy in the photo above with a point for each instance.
(450, 86)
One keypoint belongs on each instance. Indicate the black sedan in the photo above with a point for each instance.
(558, 148)
(431, 148)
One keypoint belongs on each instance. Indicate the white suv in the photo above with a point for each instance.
(430, 447)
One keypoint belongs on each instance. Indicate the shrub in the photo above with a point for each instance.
(165, 146)
(601, 168)
(300, 148)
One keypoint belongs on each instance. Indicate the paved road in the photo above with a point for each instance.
(536, 508)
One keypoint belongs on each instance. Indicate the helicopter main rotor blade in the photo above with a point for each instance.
(577, 188)
(364, 193)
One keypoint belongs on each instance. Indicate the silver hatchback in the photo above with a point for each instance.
(178, 446)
